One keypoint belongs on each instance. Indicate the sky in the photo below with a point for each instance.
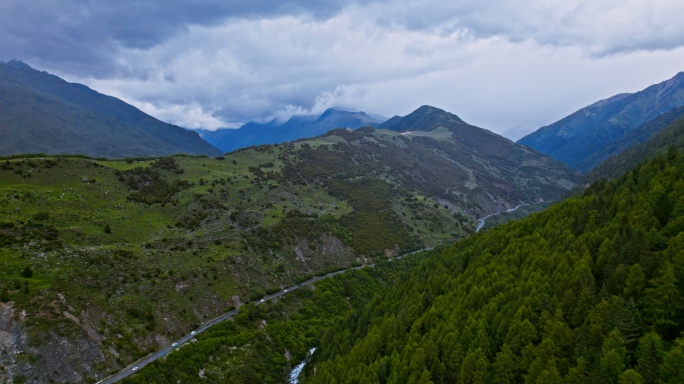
(510, 66)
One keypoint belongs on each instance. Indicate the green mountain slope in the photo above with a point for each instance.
(584, 133)
(41, 113)
(589, 291)
(658, 143)
(632, 138)
(264, 343)
(128, 255)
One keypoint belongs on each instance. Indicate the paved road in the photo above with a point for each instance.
(131, 369)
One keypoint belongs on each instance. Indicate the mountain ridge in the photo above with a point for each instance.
(588, 130)
(658, 143)
(296, 127)
(48, 114)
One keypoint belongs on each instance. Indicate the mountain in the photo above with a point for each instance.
(588, 291)
(126, 256)
(297, 127)
(586, 132)
(425, 118)
(41, 113)
(632, 138)
(657, 144)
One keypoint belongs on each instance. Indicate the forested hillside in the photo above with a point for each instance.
(589, 290)
(633, 138)
(671, 136)
(111, 260)
(264, 342)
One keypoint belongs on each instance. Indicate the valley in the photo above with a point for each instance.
(127, 255)
(341, 192)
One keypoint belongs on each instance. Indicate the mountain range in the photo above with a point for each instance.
(297, 127)
(125, 257)
(106, 261)
(41, 113)
(581, 139)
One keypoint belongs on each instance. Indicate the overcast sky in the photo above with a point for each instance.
(502, 65)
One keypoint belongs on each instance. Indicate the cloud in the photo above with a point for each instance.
(500, 64)
(249, 69)
(598, 27)
(86, 37)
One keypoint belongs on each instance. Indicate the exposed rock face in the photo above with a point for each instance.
(327, 250)
(12, 337)
(69, 358)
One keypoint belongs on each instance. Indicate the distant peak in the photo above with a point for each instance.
(427, 110)
(328, 112)
(17, 64)
(679, 76)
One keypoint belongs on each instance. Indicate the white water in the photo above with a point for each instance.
(481, 221)
(294, 375)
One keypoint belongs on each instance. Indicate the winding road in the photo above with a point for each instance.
(481, 221)
(134, 367)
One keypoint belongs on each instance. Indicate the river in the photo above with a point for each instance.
(294, 375)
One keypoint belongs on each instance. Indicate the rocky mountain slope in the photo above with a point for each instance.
(41, 113)
(121, 257)
(584, 134)
(297, 127)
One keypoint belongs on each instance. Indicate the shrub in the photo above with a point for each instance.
(27, 273)
(41, 216)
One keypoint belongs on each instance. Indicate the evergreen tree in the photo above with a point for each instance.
(649, 355)
(630, 376)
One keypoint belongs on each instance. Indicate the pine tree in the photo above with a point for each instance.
(630, 376)
(613, 357)
(672, 369)
(578, 373)
(663, 299)
(627, 321)
(649, 355)
(504, 366)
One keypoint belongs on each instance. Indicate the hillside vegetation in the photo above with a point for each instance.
(105, 261)
(657, 144)
(590, 290)
(633, 138)
(264, 342)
